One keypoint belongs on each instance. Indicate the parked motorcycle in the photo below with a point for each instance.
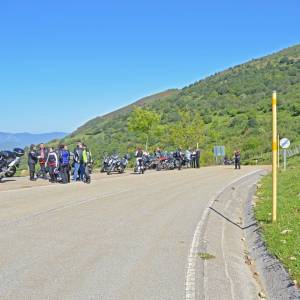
(139, 167)
(116, 164)
(228, 162)
(9, 162)
(105, 164)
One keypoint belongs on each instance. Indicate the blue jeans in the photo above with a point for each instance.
(76, 169)
(81, 171)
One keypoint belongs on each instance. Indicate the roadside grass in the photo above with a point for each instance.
(206, 256)
(283, 237)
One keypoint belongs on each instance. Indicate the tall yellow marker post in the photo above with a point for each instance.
(278, 152)
(274, 150)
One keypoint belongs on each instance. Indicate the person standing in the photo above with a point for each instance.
(86, 158)
(69, 166)
(198, 158)
(52, 164)
(139, 153)
(64, 161)
(42, 156)
(188, 157)
(193, 156)
(178, 158)
(32, 161)
(237, 159)
(78, 163)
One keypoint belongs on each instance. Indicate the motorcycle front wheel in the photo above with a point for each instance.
(11, 172)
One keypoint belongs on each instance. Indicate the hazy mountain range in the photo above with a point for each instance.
(11, 140)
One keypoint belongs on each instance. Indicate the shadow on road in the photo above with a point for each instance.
(230, 221)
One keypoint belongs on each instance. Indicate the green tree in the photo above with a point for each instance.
(145, 123)
(188, 131)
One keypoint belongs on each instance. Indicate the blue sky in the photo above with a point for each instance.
(64, 62)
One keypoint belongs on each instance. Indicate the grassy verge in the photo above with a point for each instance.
(282, 238)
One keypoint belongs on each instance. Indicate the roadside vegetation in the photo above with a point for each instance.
(283, 237)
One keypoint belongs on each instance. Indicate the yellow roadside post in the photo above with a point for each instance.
(278, 152)
(274, 151)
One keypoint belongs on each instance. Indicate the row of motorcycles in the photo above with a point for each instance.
(9, 162)
(167, 161)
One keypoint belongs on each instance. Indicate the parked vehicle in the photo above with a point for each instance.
(105, 164)
(228, 161)
(116, 164)
(139, 167)
(9, 162)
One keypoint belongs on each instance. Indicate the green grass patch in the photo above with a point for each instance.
(206, 256)
(283, 237)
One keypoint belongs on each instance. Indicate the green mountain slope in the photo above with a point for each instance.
(235, 106)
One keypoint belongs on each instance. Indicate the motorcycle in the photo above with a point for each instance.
(139, 167)
(166, 162)
(105, 164)
(228, 162)
(9, 162)
(117, 164)
(149, 162)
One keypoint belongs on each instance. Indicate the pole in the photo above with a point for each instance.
(274, 151)
(278, 152)
(284, 159)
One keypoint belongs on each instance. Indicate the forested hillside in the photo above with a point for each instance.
(231, 108)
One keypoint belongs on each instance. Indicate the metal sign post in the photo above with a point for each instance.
(274, 150)
(284, 143)
(219, 151)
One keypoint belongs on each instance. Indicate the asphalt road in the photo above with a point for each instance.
(121, 237)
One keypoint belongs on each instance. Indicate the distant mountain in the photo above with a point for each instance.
(11, 140)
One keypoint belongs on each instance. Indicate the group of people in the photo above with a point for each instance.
(193, 158)
(58, 163)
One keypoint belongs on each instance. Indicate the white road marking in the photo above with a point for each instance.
(190, 282)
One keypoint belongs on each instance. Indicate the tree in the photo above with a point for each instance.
(144, 122)
(188, 131)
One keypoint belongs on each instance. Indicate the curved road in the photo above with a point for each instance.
(121, 237)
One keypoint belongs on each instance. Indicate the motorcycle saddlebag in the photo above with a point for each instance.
(19, 152)
(7, 154)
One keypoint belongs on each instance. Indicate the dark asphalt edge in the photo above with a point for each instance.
(273, 275)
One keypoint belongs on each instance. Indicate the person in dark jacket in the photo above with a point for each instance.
(237, 159)
(42, 156)
(32, 161)
(197, 158)
(193, 159)
(78, 162)
(64, 161)
(178, 155)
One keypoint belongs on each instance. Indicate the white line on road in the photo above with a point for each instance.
(190, 282)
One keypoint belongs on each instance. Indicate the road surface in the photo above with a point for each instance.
(121, 237)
